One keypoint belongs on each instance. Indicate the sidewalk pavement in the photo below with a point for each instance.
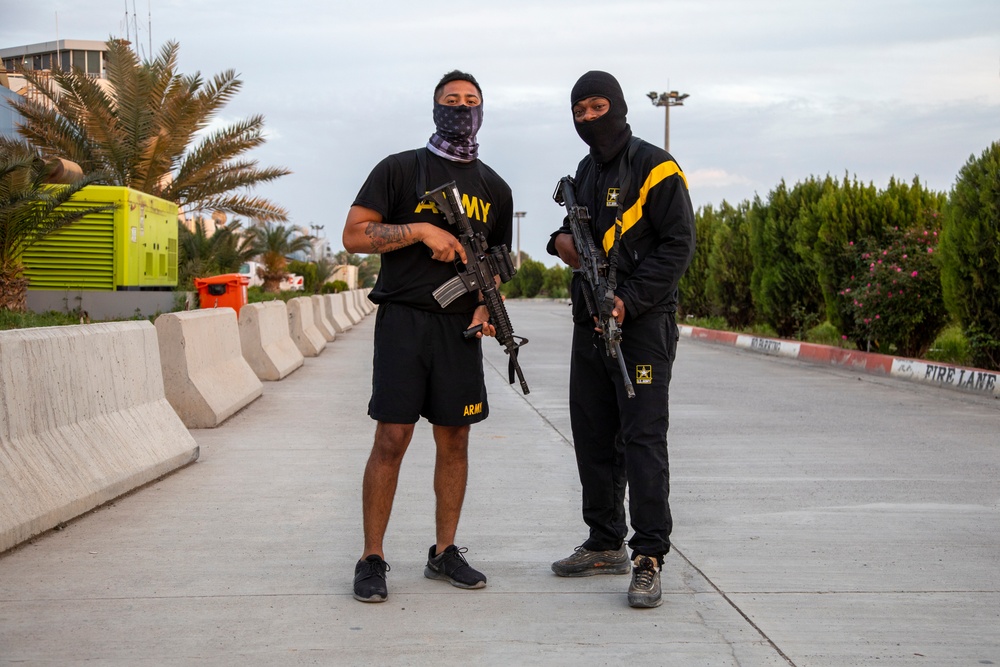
(822, 517)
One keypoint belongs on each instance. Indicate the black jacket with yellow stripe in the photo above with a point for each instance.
(657, 231)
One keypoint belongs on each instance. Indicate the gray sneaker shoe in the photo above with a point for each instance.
(644, 591)
(585, 562)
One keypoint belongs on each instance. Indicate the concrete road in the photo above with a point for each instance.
(821, 518)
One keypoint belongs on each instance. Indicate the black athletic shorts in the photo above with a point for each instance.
(423, 367)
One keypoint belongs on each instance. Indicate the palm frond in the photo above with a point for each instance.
(145, 132)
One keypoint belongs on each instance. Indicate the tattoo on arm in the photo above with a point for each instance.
(385, 238)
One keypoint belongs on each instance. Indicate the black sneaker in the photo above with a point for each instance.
(450, 565)
(644, 591)
(585, 562)
(369, 579)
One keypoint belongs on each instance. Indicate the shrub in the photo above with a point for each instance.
(825, 334)
(894, 292)
(730, 265)
(851, 211)
(784, 285)
(556, 282)
(692, 292)
(950, 347)
(334, 287)
(308, 272)
(970, 256)
(527, 282)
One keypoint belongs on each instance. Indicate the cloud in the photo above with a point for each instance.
(780, 89)
(714, 178)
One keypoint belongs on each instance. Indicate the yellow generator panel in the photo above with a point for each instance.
(132, 247)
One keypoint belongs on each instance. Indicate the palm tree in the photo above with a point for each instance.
(274, 242)
(203, 255)
(324, 270)
(368, 266)
(29, 212)
(149, 131)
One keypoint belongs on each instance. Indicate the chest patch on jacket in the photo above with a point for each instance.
(612, 199)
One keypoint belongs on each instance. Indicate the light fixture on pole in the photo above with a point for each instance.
(518, 215)
(667, 100)
(316, 242)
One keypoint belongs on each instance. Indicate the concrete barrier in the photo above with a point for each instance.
(349, 307)
(322, 322)
(361, 302)
(973, 380)
(83, 420)
(302, 327)
(205, 377)
(266, 342)
(335, 312)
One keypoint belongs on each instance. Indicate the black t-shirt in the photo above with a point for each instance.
(410, 275)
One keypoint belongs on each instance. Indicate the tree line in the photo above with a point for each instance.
(888, 268)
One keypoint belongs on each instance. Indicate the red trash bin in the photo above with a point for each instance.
(226, 291)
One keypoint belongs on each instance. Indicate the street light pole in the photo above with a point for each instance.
(316, 238)
(518, 215)
(667, 100)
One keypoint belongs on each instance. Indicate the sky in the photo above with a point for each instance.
(778, 89)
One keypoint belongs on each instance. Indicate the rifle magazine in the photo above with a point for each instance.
(450, 290)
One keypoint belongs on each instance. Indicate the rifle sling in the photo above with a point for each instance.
(624, 183)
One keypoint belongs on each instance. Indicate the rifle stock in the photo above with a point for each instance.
(479, 273)
(598, 293)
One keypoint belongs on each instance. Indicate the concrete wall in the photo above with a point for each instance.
(205, 377)
(83, 420)
(302, 327)
(266, 342)
(105, 305)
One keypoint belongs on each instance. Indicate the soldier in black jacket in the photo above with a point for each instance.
(620, 440)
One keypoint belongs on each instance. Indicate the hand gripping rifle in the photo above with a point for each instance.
(478, 274)
(599, 292)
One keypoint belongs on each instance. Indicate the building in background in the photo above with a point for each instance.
(87, 55)
(348, 273)
(65, 54)
(9, 118)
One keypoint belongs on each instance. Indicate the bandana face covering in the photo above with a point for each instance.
(457, 126)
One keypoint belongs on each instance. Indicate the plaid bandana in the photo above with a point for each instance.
(455, 138)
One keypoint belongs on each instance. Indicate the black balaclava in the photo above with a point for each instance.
(456, 126)
(608, 134)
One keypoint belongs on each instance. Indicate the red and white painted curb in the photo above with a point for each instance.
(973, 380)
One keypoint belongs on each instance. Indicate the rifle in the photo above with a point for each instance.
(478, 274)
(599, 292)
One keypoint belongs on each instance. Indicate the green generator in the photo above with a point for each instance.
(130, 247)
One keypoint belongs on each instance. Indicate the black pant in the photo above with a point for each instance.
(621, 440)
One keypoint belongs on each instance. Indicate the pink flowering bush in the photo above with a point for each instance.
(892, 301)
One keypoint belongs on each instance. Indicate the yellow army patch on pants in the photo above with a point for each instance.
(473, 409)
(644, 375)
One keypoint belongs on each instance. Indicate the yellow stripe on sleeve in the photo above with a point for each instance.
(660, 172)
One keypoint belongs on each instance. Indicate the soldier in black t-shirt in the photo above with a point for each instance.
(422, 364)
